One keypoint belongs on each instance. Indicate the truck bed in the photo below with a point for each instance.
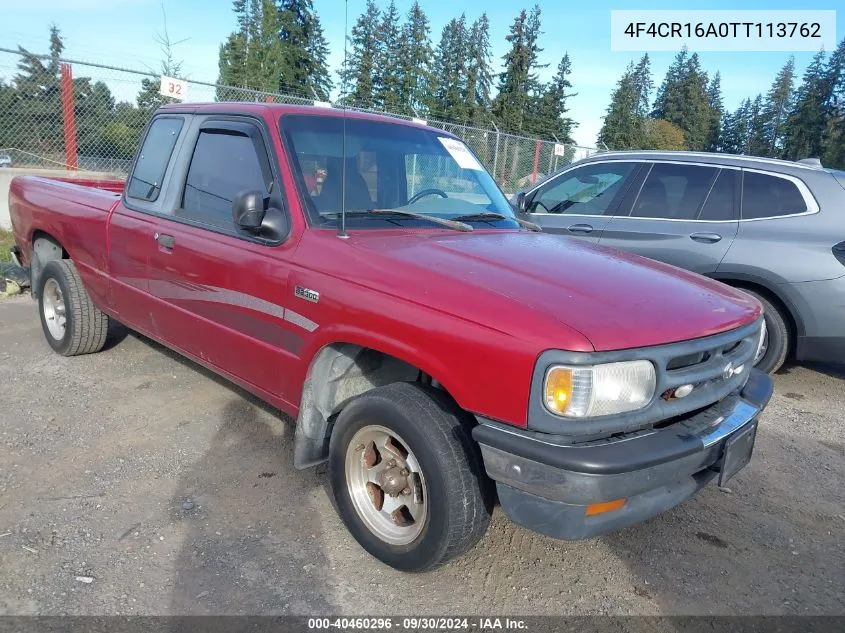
(75, 209)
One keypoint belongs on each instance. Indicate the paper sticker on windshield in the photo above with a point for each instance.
(460, 153)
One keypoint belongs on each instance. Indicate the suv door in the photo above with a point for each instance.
(221, 291)
(683, 214)
(580, 201)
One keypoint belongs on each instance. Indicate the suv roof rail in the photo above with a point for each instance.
(812, 162)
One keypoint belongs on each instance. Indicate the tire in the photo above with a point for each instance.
(85, 327)
(452, 481)
(779, 336)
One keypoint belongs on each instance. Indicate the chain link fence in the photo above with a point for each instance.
(110, 107)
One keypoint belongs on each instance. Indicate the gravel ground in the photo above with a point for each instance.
(135, 482)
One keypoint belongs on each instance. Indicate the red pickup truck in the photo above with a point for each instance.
(367, 277)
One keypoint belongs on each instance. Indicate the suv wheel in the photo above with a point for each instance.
(776, 340)
(407, 478)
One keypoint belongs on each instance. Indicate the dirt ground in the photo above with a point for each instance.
(135, 482)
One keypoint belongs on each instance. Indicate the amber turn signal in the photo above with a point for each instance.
(559, 389)
(604, 506)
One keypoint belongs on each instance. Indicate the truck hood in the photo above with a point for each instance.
(616, 300)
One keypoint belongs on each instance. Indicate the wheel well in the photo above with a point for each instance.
(45, 248)
(338, 373)
(789, 318)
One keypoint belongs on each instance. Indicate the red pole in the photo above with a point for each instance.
(68, 115)
(536, 161)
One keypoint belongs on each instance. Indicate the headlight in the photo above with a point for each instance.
(585, 392)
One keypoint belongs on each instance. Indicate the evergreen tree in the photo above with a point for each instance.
(415, 60)
(231, 65)
(549, 120)
(253, 57)
(735, 129)
(449, 76)
(834, 138)
(389, 61)
(758, 139)
(518, 80)
(299, 50)
(625, 122)
(643, 85)
(683, 100)
(39, 99)
(777, 107)
(695, 116)
(318, 53)
(623, 126)
(668, 102)
(805, 126)
(477, 101)
(358, 77)
(714, 101)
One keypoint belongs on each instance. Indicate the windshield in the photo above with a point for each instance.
(389, 166)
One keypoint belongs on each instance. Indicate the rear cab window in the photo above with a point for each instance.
(146, 178)
(770, 196)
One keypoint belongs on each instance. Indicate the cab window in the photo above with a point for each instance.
(145, 181)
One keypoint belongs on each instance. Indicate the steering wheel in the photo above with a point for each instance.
(427, 192)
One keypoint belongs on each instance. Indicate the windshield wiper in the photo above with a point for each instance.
(452, 224)
(489, 215)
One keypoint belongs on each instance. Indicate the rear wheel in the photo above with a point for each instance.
(72, 324)
(407, 478)
(777, 339)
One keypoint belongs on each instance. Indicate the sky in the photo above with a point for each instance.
(122, 33)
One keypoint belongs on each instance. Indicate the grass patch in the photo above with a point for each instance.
(7, 240)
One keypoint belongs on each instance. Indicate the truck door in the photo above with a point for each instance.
(683, 214)
(131, 224)
(220, 290)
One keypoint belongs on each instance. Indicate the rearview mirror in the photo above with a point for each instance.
(248, 209)
(521, 202)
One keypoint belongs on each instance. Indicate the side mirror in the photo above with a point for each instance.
(249, 209)
(521, 203)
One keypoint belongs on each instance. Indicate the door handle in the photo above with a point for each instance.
(165, 241)
(580, 228)
(707, 238)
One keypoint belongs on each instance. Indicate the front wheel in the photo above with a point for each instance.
(407, 478)
(776, 337)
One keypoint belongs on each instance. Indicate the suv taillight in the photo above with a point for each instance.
(839, 252)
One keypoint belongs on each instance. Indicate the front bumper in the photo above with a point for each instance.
(547, 485)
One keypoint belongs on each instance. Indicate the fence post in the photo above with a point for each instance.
(536, 161)
(495, 151)
(68, 115)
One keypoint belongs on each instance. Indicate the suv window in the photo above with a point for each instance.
(588, 190)
(145, 181)
(223, 164)
(674, 192)
(765, 196)
(719, 204)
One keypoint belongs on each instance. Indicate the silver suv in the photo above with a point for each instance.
(773, 228)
